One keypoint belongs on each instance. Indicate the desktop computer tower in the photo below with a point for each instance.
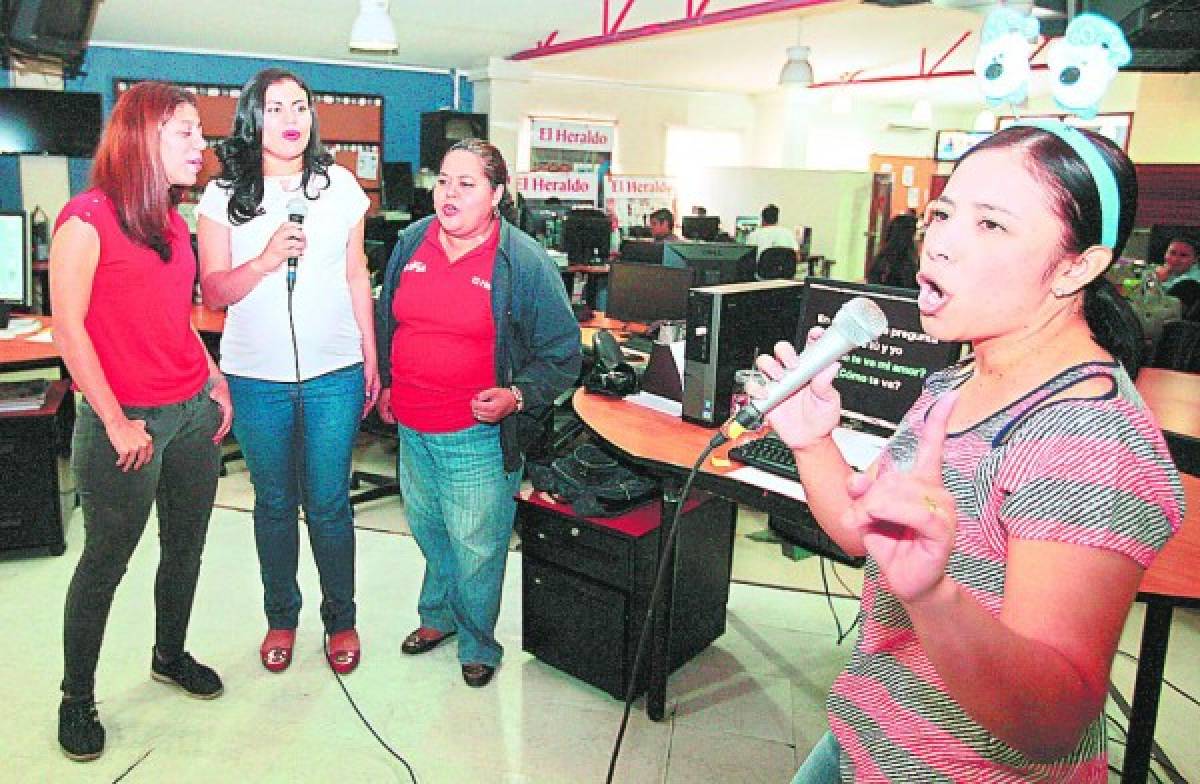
(727, 327)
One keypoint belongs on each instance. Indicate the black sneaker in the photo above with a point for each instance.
(79, 730)
(188, 674)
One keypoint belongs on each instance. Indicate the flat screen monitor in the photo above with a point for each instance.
(49, 122)
(880, 382)
(952, 145)
(642, 251)
(585, 235)
(701, 227)
(713, 262)
(647, 292)
(16, 271)
(50, 28)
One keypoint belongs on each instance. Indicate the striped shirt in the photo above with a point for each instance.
(1091, 471)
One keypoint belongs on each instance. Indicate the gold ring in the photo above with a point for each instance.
(932, 506)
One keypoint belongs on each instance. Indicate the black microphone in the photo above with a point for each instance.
(856, 324)
(297, 210)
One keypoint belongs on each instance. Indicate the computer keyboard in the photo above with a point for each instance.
(768, 453)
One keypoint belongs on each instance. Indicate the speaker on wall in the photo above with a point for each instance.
(397, 186)
(54, 29)
(441, 130)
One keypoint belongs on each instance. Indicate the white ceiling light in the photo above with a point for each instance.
(373, 30)
(797, 72)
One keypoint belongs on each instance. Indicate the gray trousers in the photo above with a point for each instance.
(182, 478)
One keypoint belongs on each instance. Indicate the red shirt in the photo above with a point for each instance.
(443, 349)
(139, 312)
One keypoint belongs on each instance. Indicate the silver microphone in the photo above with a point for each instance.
(856, 324)
(297, 210)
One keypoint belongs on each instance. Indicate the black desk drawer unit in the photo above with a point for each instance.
(586, 585)
(34, 473)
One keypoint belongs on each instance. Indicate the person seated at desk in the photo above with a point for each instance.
(1008, 522)
(770, 234)
(1179, 263)
(662, 226)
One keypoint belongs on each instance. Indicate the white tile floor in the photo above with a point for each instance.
(743, 711)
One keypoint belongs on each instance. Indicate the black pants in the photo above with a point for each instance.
(182, 478)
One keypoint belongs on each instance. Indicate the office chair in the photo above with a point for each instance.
(776, 264)
(1188, 294)
(382, 485)
(1178, 347)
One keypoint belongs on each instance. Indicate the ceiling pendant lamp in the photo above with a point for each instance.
(797, 72)
(373, 30)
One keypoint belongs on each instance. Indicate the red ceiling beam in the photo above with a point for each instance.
(907, 77)
(696, 20)
(949, 52)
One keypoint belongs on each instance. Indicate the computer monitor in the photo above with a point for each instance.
(16, 268)
(586, 235)
(714, 262)
(701, 227)
(647, 292)
(880, 382)
(642, 251)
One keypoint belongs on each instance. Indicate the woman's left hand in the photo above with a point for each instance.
(492, 405)
(907, 519)
(220, 395)
(371, 387)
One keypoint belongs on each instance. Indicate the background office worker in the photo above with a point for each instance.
(154, 406)
(662, 226)
(475, 335)
(770, 234)
(1009, 520)
(297, 437)
(896, 262)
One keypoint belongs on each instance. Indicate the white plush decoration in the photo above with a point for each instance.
(1084, 62)
(1002, 64)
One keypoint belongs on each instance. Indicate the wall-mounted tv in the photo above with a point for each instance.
(49, 29)
(952, 145)
(49, 122)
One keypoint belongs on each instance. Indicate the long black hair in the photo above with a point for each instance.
(1076, 200)
(241, 153)
(896, 262)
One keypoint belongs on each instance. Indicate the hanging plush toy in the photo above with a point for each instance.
(1084, 62)
(1002, 64)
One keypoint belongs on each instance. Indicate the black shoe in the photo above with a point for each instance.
(415, 643)
(188, 674)
(79, 730)
(477, 675)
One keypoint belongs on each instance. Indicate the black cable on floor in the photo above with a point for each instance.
(841, 636)
(655, 593)
(1186, 695)
(325, 643)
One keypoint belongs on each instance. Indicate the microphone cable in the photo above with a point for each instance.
(655, 593)
(300, 435)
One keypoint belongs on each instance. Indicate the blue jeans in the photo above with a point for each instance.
(302, 458)
(822, 764)
(182, 478)
(460, 506)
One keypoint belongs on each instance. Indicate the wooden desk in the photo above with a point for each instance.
(21, 353)
(1174, 397)
(669, 446)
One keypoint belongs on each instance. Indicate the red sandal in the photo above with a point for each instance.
(276, 649)
(345, 651)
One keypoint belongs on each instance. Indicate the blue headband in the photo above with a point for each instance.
(1102, 175)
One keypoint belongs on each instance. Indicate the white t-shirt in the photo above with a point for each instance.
(257, 341)
(772, 237)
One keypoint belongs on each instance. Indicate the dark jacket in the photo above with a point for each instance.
(537, 337)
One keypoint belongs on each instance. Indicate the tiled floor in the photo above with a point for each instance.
(743, 711)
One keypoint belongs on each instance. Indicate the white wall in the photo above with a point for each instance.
(833, 203)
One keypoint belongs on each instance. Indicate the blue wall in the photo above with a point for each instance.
(10, 174)
(406, 94)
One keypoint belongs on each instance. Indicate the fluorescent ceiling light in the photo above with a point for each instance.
(373, 30)
(798, 71)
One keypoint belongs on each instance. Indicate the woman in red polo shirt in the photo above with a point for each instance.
(474, 333)
(154, 408)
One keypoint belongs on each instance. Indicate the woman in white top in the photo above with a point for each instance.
(281, 245)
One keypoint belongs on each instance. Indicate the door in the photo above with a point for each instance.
(877, 217)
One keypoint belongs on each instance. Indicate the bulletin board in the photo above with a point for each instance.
(351, 127)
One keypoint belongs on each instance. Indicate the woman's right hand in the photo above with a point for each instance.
(131, 441)
(384, 406)
(287, 242)
(812, 413)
